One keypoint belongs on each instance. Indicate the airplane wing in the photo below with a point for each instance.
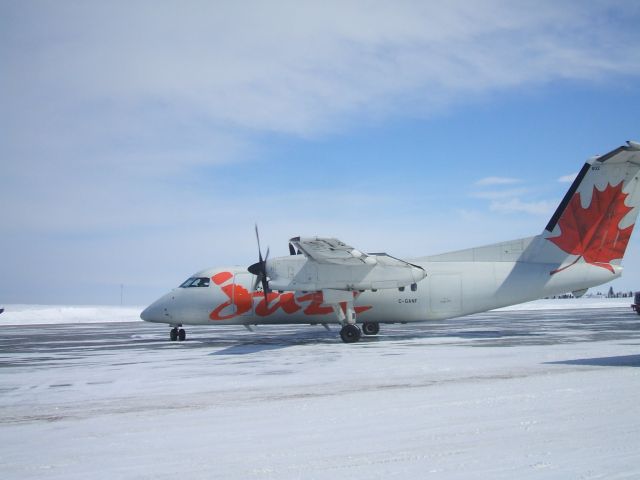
(330, 251)
(332, 264)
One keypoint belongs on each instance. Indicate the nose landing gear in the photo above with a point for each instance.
(177, 334)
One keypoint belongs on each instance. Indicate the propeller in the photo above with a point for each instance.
(259, 269)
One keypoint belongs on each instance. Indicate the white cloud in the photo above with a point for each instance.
(509, 201)
(490, 181)
(515, 205)
(301, 68)
(499, 194)
(567, 178)
(512, 200)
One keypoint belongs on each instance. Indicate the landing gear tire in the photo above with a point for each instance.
(182, 335)
(350, 333)
(173, 334)
(370, 328)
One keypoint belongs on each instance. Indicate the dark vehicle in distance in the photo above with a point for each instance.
(636, 303)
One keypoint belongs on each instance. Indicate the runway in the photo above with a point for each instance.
(493, 395)
(35, 344)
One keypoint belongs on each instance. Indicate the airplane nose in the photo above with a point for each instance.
(146, 314)
(149, 313)
(156, 312)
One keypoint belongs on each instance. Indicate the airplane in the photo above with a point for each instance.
(325, 281)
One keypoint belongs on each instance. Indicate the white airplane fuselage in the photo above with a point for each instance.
(451, 289)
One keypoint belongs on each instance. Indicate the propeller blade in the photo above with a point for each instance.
(259, 269)
(258, 239)
(265, 282)
(256, 268)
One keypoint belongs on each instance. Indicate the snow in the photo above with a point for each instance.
(51, 314)
(570, 303)
(524, 394)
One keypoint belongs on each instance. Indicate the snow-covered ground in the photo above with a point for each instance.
(47, 314)
(570, 304)
(515, 394)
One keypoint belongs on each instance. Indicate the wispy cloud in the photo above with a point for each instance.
(499, 194)
(567, 178)
(489, 181)
(513, 200)
(515, 205)
(251, 67)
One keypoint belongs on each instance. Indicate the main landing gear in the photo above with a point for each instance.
(350, 333)
(177, 334)
(342, 303)
(370, 328)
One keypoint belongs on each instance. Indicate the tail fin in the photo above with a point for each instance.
(595, 219)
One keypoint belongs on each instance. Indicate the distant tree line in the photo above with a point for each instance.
(610, 294)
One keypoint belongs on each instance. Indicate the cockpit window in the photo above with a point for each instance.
(195, 282)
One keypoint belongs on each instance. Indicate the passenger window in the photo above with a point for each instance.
(414, 287)
(401, 289)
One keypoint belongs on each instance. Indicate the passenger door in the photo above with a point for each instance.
(445, 293)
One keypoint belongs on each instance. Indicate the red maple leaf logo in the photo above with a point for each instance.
(592, 233)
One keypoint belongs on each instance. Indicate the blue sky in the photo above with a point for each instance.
(140, 142)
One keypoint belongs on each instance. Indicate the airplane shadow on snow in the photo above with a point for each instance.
(247, 348)
(268, 342)
(281, 341)
(620, 361)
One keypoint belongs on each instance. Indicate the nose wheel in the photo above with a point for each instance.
(177, 334)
